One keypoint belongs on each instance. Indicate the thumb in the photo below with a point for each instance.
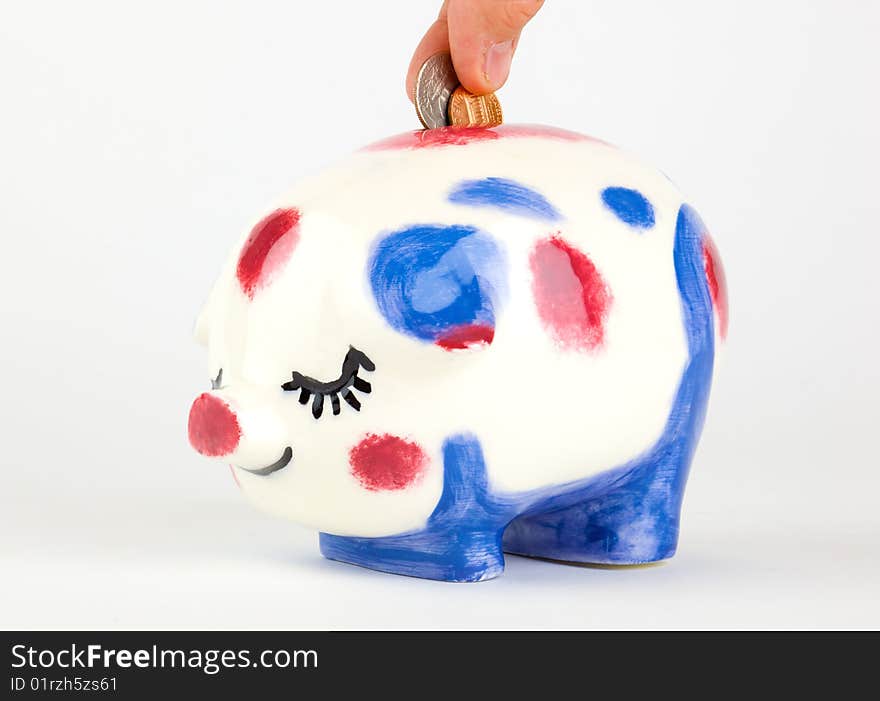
(483, 35)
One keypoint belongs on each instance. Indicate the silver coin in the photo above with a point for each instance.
(435, 83)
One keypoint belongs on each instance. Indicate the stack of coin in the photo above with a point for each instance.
(441, 101)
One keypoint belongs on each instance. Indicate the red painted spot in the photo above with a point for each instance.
(267, 249)
(387, 462)
(572, 298)
(213, 427)
(467, 336)
(428, 138)
(458, 136)
(717, 283)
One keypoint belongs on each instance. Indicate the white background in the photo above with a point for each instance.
(138, 139)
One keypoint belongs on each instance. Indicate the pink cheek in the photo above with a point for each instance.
(571, 297)
(387, 462)
(717, 281)
(268, 247)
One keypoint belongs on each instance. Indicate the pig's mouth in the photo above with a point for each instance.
(279, 464)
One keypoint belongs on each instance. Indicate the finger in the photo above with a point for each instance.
(436, 39)
(483, 35)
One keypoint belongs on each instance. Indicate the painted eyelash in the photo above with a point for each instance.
(348, 379)
(217, 382)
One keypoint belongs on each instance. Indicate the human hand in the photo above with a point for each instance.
(481, 35)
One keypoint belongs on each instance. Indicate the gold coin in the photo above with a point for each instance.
(469, 110)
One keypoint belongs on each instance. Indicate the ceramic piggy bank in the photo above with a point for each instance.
(465, 342)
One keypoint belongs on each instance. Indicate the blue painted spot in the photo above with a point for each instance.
(504, 194)
(430, 280)
(630, 206)
(627, 515)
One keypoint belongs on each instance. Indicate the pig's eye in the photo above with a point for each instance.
(440, 284)
(217, 382)
(348, 379)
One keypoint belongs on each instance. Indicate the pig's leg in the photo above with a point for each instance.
(628, 515)
(461, 541)
(633, 523)
(456, 555)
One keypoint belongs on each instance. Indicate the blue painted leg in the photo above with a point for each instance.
(454, 556)
(462, 539)
(631, 524)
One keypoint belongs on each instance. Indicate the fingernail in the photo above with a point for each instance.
(497, 65)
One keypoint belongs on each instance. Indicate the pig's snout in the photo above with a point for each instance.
(214, 429)
(240, 427)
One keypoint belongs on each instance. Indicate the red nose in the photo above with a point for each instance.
(213, 427)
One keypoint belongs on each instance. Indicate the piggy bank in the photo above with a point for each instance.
(465, 342)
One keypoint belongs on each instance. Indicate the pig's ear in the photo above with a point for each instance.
(201, 330)
(202, 327)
